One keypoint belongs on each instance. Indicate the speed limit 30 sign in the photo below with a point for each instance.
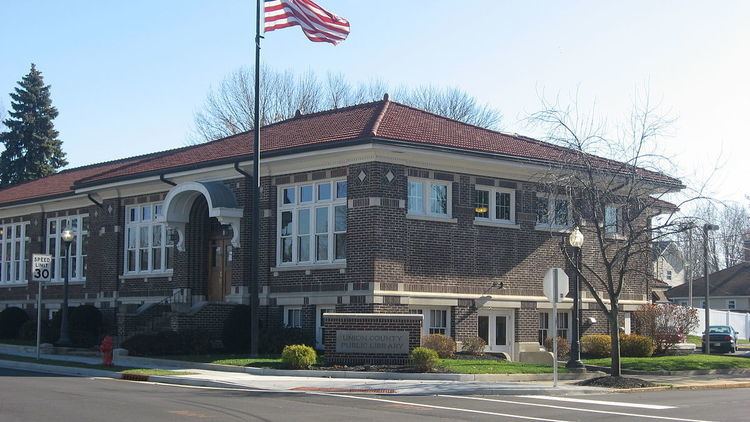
(41, 267)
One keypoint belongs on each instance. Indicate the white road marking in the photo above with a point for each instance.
(430, 406)
(635, 415)
(601, 402)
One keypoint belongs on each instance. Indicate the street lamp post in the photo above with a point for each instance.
(707, 304)
(67, 237)
(576, 241)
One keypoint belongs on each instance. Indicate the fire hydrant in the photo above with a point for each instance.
(106, 348)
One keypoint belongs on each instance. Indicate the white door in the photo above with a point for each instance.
(496, 329)
(319, 327)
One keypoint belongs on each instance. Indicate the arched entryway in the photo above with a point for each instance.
(206, 217)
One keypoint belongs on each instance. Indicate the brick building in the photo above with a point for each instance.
(372, 208)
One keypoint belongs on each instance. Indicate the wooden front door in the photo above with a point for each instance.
(219, 269)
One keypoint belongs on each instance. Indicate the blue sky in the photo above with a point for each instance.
(128, 76)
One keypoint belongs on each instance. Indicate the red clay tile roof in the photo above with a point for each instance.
(381, 120)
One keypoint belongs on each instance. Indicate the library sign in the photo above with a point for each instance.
(382, 342)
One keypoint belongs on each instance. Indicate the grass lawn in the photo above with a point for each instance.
(18, 342)
(139, 371)
(493, 366)
(232, 360)
(677, 363)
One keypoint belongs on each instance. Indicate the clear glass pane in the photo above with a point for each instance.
(73, 267)
(131, 260)
(288, 195)
(131, 238)
(481, 204)
(85, 224)
(321, 220)
(322, 247)
(304, 221)
(134, 214)
(340, 218)
(324, 192)
(340, 246)
(144, 237)
(157, 211)
(286, 223)
(542, 210)
(416, 200)
(170, 257)
(286, 249)
(52, 227)
(9, 232)
(500, 331)
(156, 254)
(143, 258)
(561, 212)
(74, 224)
(439, 199)
(306, 193)
(303, 254)
(146, 213)
(341, 189)
(156, 236)
(483, 325)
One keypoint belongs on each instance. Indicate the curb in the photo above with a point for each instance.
(726, 371)
(59, 370)
(390, 376)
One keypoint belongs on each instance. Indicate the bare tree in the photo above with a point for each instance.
(228, 109)
(615, 203)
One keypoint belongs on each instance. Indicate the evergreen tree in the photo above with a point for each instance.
(32, 147)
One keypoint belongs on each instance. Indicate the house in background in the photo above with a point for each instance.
(669, 264)
(729, 290)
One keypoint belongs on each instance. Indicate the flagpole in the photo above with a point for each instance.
(255, 203)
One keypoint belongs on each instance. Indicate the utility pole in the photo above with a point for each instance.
(707, 308)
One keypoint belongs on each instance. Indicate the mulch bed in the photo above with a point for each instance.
(616, 382)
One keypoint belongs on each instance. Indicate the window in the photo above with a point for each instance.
(669, 275)
(563, 325)
(429, 197)
(148, 245)
(502, 209)
(612, 220)
(14, 245)
(77, 265)
(703, 302)
(312, 223)
(293, 318)
(553, 211)
(731, 303)
(436, 321)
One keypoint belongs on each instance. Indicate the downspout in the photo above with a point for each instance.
(120, 267)
(242, 172)
(97, 203)
(169, 182)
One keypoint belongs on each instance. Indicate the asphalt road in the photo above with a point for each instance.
(26, 396)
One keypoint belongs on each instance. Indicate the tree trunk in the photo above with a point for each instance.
(614, 332)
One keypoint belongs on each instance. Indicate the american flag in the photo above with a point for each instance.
(318, 24)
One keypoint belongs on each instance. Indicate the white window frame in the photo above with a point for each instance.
(703, 303)
(426, 209)
(150, 225)
(320, 323)
(13, 271)
(492, 211)
(82, 235)
(669, 275)
(731, 304)
(427, 322)
(335, 201)
(292, 324)
(551, 216)
(566, 322)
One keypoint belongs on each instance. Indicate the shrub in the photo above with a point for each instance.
(85, 323)
(563, 347)
(11, 320)
(596, 345)
(474, 346)
(636, 346)
(424, 359)
(666, 324)
(298, 356)
(442, 344)
(140, 345)
(236, 330)
(195, 342)
(168, 343)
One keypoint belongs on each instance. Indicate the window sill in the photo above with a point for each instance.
(617, 237)
(553, 229)
(61, 282)
(146, 275)
(14, 284)
(432, 218)
(309, 267)
(490, 223)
